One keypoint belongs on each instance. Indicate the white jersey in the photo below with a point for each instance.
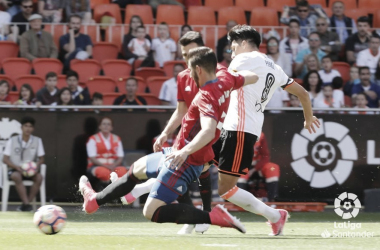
(247, 104)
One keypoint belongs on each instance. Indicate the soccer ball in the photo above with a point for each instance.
(29, 168)
(50, 219)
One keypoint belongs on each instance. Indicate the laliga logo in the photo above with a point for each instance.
(326, 157)
(7, 128)
(351, 205)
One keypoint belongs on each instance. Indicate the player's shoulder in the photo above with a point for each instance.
(184, 73)
(249, 58)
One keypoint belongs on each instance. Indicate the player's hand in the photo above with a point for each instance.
(157, 147)
(309, 125)
(178, 158)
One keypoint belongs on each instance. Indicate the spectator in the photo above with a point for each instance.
(48, 95)
(293, 43)
(361, 103)
(105, 153)
(327, 100)
(354, 79)
(23, 16)
(377, 74)
(37, 43)
(338, 95)
(64, 98)
(304, 16)
(97, 99)
(140, 46)
(26, 96)
(358, 41)
(5, 33)
(327, 73)
(5, 99)
(223, 41)
(227, 53)
(155, 3)
(184, 29)
(371, 90)
(370, 57)
(130, 98)
(13, 7)
(135, 22)
(312, 82)
(314, 48)
(80, 95)
(329, 40)
(124, 3)
(340, 23)
(294, 101)
(168, 92)
(51, 10)
(80, 8)
(278, 58)
(312, 63)
(75, 44)
(32, 150)
(163, 47)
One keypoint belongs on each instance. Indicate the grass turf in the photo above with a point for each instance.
(115, 228)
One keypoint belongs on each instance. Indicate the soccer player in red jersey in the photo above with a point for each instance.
(183, 163)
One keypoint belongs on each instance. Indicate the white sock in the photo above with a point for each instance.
(143, 188)
(250, 203)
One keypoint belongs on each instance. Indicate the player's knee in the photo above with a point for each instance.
(38, 179)
(102, 173)
(16, 177)
(222, 189)
(270, 171)
(139, 168)
(148, 213)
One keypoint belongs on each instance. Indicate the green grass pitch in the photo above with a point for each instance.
(115, 228)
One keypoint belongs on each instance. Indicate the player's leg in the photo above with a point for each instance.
(37, 180)
(271, 173)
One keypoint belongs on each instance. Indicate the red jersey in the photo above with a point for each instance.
(261, 153)
(187, 89)
(212, 100)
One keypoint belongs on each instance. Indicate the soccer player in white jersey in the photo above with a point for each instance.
(245, 117)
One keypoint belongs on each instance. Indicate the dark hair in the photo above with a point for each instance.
(130, 22)
(71, 73)
(306, 83)
(326, 56)
(363, 68)
(186, 26)
(191, 37)
(375, 35)
(203, 57)
(59, 96)
(303, 3)
(243, 32)
(364, 19)
(28, 119)
(75, 16)
(277, 41)
(131, 78)
(293, 20)
(28, 87)
(377, 73)
(164, 23)
(328, 85)
(337, 82)
(140, 27)
(7, 83)
(362, 93)
(97, 95)
(178, 64)
(51, 74)
(313, 33)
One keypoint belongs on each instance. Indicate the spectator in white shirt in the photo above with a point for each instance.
(168, 92)
(5, 34)
(370, 57)
(361, 102)
(327, 100)
(327, 73)
(164, 48)
(139, 46)
(312, 83)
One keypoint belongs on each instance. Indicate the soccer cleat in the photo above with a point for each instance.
(186, 229)
(126, 199)
(219, 216)
(89, 205)
(201, 228)
(278, 227)
(113, 177)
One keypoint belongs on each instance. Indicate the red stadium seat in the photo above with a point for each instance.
(248, 5)
(328, 11)
(356, 13)
(264, 17)
(201, 15)
(14, 96)
(370, 4)
(169, 65)
(8, 79)
(263, 48)
(115, 35)
(231, 13)
(151, 99)
(376, 19)
(109, 98)
(144, 11)
(170, 14)
(279, 5)
(320, 2)
(110, 9)
(122, 80)
(36, 82)
(116, 68)
(344, 70)
(96, 2)
(86, 69)
(217, 4)
(92, 31)
(348, 4)
(61, 81)
(145, 72)
(8, 49)
(14, 67)
(42, 66)
(56, 30)
(101, 84)
(155, 84)
(104, 51)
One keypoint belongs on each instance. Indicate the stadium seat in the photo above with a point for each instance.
(120, 83)
(264, 17)
(36, 82)
(101, 84)
(145, 72)
(109, 98)
(151, 99)
(370, 4)
(115, 35)
(248, 5)
(86, 68)
(320, 2)
(144, 11)
(8, 79)
(116, 68)
(347, 101)
(201, 15)
(42, 66)
(104, 51)
(56, 30)
(96, 2)
(137, 63)
(61, 81)
(14, 96)
(92, 31)
(217, 4)
(231, 13)
(376, 19)
(14, 67)
(155, 83)
(263, 48)
(348, 4)
(356, 13)
(328, 11)
(344, 70)
(168, 67)
(171, 14)
(7, 184)
(110, 9)
(8, 49)
(279, 5)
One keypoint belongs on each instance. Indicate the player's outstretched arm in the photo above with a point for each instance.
(205, 135)
(303, 96)
(174, 122)
(249, 77)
